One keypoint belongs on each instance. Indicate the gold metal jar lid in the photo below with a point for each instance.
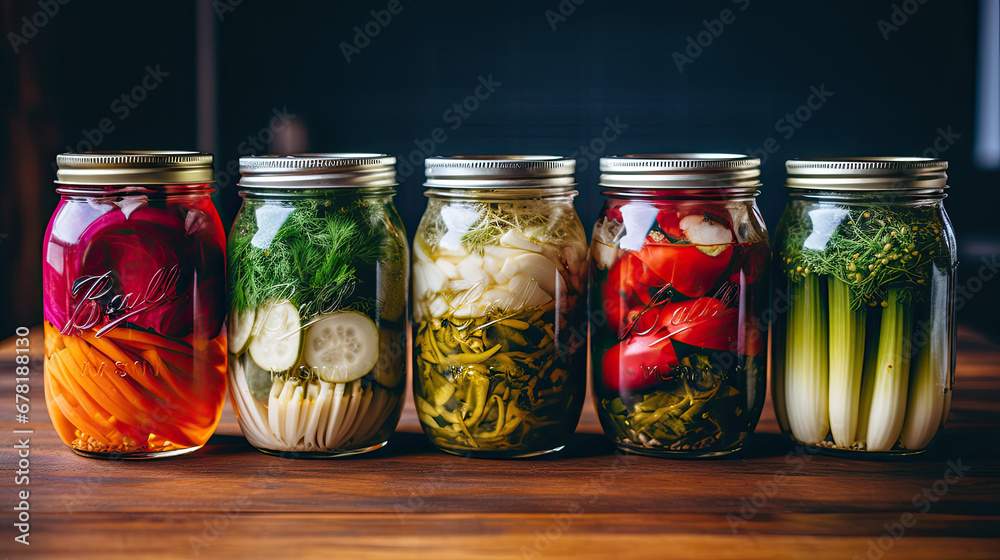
(500, 172)
(868, 174)
(723, 174)
(135, 168)
(318, 171)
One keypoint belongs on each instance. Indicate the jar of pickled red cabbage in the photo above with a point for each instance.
(864, 337)
(499, 306)
(317, 323)
(679, 287)
(134, 304)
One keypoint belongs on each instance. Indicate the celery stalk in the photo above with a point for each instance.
(888, 410)
(867, 380)
(925, 403)
(847, 346)
(806, 374)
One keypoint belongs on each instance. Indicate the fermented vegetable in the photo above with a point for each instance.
(317, 322)
(497, 286)
(679, 365)
(859, 280)
(134, 344)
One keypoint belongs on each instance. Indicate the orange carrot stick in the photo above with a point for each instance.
(150, 382)
(134, 396)
(136, 421)
(153, 404)
(126, 419)
(72, 385)
(53, 340)
(65, 428)
(135, 336)
(183, 362)
(180, 357)
(110, 389)
(94, 402)
(208, 372)
(200, 407)
(164, 372)
(81, 423)
(129, 419)
(172, 356)
(90, 420)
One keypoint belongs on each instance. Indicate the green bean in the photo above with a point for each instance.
(497, 398)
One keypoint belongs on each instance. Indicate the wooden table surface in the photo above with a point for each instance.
(409, 501)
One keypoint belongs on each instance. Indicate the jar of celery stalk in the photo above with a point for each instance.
(317, 322)
(133, 276)
(864, 345)
(679, 287)
(499, 305)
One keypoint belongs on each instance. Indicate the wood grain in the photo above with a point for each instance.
(408, 500)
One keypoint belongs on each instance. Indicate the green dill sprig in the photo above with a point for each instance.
(872, 249)
(538, 220)
(313, 258)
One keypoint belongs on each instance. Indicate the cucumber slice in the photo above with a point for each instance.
(277, 334)
(259, 380)
(342, 346)
(239, 327)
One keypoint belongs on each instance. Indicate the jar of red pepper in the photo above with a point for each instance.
(134, 302)
(679, 288)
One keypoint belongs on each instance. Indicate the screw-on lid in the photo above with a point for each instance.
(314, 171)
(495, 172)
(868, 174)
(721, 173)
(134, 168)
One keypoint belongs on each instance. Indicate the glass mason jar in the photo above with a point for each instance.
(317, 321)
(864, 352)
(133, 276)
(499, 305)
(679, 285)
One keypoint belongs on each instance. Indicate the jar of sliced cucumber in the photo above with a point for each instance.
(499, 306)
(317, 278)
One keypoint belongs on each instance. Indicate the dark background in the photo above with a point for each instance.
(231, 66)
